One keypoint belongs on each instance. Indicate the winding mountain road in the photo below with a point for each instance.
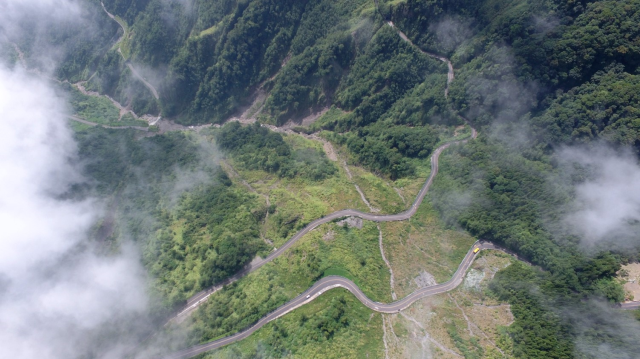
(199, 298)
(135, 72)
(331, 282)
(450, 74)
(137, 75)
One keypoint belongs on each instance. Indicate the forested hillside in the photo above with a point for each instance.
(535, 77)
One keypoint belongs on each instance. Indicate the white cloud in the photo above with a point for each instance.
(15, 14)
(607, 204)
(451, 32)
(602, 332)
(54, 289)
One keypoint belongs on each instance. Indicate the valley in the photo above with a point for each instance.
(367, 179)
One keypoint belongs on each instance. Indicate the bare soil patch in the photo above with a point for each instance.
(630, 273)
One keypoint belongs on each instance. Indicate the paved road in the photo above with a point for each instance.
(197, 299)
(450, 74)
(81, 120)
(331, 282)
(139, 77)
(630, 305)
(135, 73)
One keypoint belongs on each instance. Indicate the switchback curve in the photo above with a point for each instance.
(135, 73)
(334, 281)
(199, 298)
(331, 282)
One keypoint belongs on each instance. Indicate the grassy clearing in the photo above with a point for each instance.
(423, 244)
(336, 325)
(394, 2)
(99, 110)
(377, 191)
(382, 193)
(94, 109)
(299, 201)
(78, 126)
(449, 134)
(330, 118)
(125, 44)
(212, 30)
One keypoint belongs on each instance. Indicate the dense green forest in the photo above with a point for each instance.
(257, 147)
(531, 76)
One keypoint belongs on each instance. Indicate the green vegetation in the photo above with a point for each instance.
(212, 235)
(497, 187)
(603, 33)
(377, 191)
(114, 78)
(94, 109)
(156, 40)
(424, 104)
(189, 240)
(537, 332)
(252, 48)
(258, 148)
(335, 53)
(388, 68)
(99, 110)
(309, 79)
(336, 325)
(128, 120)
(207, 234)
(327, 250)
(520, 200)
(79, 126)
(607, 106)
(298, 199)
(115, 158)
(123, 45)
(470, 348)
(530, 75)
(384, 150)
